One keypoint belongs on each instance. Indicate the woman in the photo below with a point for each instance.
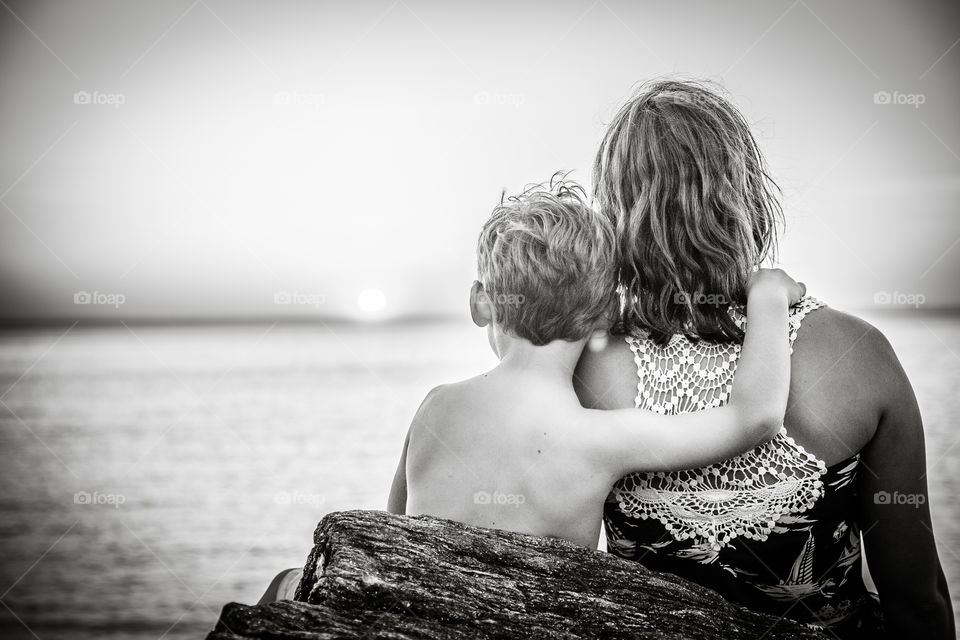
(777, 529)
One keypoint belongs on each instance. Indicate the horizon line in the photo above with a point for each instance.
(204, 320)
(341, 320)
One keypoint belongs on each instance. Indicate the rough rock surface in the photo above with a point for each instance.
(372, 574)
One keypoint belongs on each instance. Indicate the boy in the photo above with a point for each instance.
(512, 448)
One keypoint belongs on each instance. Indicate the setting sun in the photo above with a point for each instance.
(371, 301)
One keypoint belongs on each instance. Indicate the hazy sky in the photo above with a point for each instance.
(202, 158)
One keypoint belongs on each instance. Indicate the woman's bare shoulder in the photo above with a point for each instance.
(843, 337)
(606, 377)
(843, 367)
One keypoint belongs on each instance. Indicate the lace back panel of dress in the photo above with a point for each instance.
(743, 496)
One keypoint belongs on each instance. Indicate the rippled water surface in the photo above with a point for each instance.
(152, 474)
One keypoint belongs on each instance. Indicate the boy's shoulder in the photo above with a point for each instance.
(451, 390)
(448, 397)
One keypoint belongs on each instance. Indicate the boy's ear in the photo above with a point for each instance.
(480, 310)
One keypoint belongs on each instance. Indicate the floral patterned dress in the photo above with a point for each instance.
(773, 529)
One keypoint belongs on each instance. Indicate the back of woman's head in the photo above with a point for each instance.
(681, 177)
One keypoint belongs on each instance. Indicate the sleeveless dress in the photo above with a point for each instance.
(773, 529)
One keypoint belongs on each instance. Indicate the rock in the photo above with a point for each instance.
(373, 574)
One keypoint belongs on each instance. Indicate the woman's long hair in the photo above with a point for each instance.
(683, 180)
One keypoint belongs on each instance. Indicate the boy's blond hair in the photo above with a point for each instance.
(547, 263)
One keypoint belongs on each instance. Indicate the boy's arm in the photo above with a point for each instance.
(397, 502)
(646, 441)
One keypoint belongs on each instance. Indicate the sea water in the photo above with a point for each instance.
(152, 474)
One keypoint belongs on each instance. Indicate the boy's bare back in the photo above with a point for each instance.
(503, 452)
